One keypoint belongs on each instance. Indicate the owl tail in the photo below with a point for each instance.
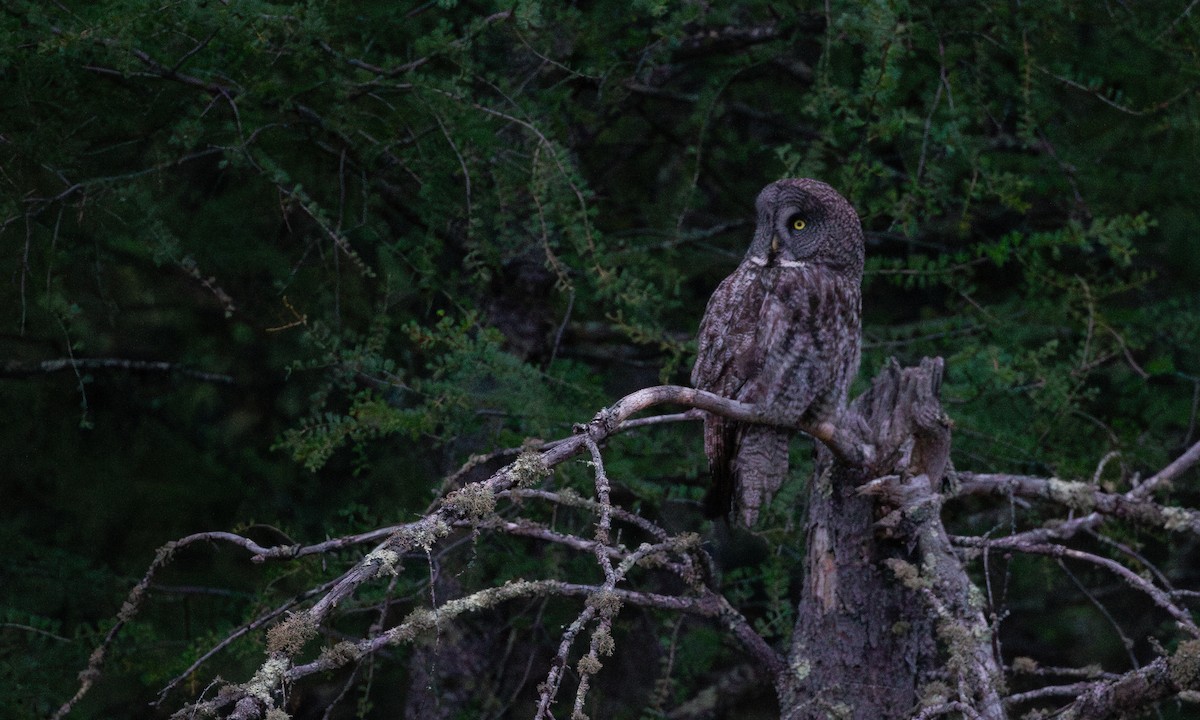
(759, 467)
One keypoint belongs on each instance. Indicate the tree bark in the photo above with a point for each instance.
(888, 621)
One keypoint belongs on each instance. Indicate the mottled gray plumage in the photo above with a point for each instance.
(781, 332)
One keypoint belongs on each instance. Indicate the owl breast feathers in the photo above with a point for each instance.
(783, 333)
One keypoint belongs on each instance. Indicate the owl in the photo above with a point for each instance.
(783, 333)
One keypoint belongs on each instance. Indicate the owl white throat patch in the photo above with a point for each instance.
(762, 262)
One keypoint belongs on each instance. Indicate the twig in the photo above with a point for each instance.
(1181, 464)
(1136, 581)
(1133, 692)
(228, 640)
(1133, 506)
(21, 368)
(1072, 690)
(947, 708)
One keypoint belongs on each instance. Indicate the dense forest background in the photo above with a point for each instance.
(281, 268)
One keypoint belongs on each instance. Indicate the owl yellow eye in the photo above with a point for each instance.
(798, 223)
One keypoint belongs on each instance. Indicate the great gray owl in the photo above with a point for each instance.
(781, 332)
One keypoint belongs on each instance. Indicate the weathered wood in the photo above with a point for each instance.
(885, 600)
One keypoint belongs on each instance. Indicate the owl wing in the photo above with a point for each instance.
(727, 359)
(783, 338)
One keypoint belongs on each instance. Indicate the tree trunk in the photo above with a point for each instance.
(888, 621)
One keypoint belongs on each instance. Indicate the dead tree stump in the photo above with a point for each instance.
(888, 622)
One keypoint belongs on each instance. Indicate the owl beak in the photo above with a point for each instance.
(774, 246)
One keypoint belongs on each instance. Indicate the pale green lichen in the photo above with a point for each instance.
(959, 645)
(603, 641)
(1075, 495)
(687, 542)
(606, 603)
(929, 566)
(414, 625)
(422, 620)
(1184, 665)
(933, 693)
(1178, 519)
(906, 573)
(529, 468)
(801, 668)
(589, 665)
(822, 483)
(289, 636)
(420, 535)
(341, 653)
(1024, 665)
(652, 561)
(385, 561)
(473, 502)
(165, 552)
(268, 677)
(975, 598)
(277, 714)
(130, 607)
(962, 643)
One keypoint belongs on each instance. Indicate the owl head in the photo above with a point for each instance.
(804, 221)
